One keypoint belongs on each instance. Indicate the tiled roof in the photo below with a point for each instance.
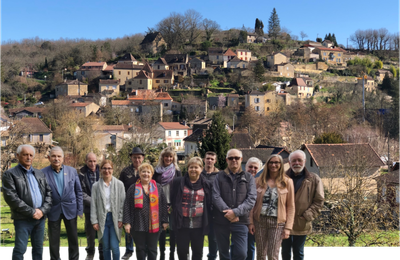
(175, 58)
(72, 82)
(173, 125)
(94, 64)
(229, 52)
(260, 153)
(148, 94)
(147, 68)
(195, 136)
(128, 66)
(215, 51)
(121, 102)
(163, 96)
(127, 57)
(390, 177)
(241, 140)
(256, 92)
(149, 38)
(298, 82)
(34, 125)
(143, 75)
(108, 81)
(167, 74)
(196, 60)
(235, 59)
(343, 154)
(29, 109)
(80, 104)
(330, 49)
(160, 61)
(109, 67)
(201, 121)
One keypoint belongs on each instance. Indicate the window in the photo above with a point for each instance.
(245, 58)
(119, 72)
(241, 53)
(177, 133)
(256, 100)
(287, 68)
(311, 162)
(244, 66)
(339, 54)
(257, 108)
(268, 100)
(158, 81)
(129, 73)
(339, 59)
(158, 67)
(165, 104)
(130, 83)
(267, 108)
(140, 82)
(217, 57)
(166, 81)
(178, 143)
(169, 133)
(40, 138)
(185, 133)
(82, 72)
(324, 53)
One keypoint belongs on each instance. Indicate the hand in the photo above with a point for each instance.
(165, 226)
(128, 228)
(96, 227)
(235, 220)
(252, 229)
(230, 215)
(285, 233)
(81, 216)
(119, 224)
(38, 214)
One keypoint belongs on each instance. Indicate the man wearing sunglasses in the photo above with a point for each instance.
(234, 195)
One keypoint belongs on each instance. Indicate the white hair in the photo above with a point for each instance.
(254, 160)
(298, 152)
(22, 146)
(57, 148)
(231, 150)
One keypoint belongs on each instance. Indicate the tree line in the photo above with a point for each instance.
(375, 39)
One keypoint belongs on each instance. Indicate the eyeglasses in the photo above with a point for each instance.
(237, 158)
(274, 162)
(253, 167)
(107, 169)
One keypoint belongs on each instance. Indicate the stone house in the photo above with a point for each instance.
(232, 101)
(284, 70)
(228, 55)
(299, 88)
(369, 83)
(276, 58)
(26, 112)
(140, 108)
(333, 56)
(160, 64)
(243, 54)
(197, 64)
(216, 55)
(109, 135)
(153, 43)
(150, 95)
(109, 85)
(90, 70)
(85, 108)
(388, 188)
(126, 68)
(327, 43)
(237, 63)
(380, 74)
(71, 88)
(251, 37)
(256, 100)
(150, 79)
(178, 63)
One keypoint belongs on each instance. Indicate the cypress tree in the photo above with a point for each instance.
(274, 27)
(216, 139)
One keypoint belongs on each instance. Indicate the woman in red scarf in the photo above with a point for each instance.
(145, 213)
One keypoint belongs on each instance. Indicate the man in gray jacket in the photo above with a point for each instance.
(234, 195)
(28, 194)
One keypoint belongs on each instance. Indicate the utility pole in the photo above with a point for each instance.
(363, 97)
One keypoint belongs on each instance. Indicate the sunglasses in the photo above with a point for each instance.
(234, 158)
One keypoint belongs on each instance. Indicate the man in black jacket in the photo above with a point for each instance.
(89, 174)
(234, 195)
(28, 194)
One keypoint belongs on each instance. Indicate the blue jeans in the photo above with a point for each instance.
(110, 239)
(295, 243)
(212, 242)
(239, 239)
(23, 229)
(251, 248)
(129, 243)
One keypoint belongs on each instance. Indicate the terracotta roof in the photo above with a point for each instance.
(108, 81)
(148, 94)
(128, 66)
(110, 128)
(329, 49)
(121, 102)
(109, 67)
(29, 109)
(80, 104)
(173, 125)
(163, 96)
(127, 57)
(133, 103)
(344, 154)
(34, 125)
(298, 82)
(229, 52)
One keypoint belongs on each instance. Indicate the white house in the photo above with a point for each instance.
(173, 133)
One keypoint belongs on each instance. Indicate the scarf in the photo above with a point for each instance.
(154, 226)
(194, 186)
(168, 173)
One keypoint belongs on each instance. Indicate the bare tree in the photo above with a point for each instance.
(210, 27)
(174, 30)
(303, 35)
(358, 38)
(383, 36)
(193, 20)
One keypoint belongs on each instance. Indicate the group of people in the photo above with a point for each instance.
(237, 209)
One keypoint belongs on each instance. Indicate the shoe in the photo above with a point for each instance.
(127, 255)
(89, 257)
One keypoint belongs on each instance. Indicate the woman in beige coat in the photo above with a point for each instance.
(272, 217)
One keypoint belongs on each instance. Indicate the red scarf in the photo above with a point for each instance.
(154, 226)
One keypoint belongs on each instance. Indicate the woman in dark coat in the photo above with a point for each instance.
(167, 169)
(145, 213)
(190, 202)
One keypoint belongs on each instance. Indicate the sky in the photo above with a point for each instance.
(100, 19)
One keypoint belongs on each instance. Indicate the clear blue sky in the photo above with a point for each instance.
(89, 19)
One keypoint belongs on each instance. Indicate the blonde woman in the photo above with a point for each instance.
(272, 217)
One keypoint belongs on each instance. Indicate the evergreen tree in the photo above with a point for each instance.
(329, 138)
(274, 27)
(243, 35)
(259, 70)
(216, 139)
(46, 65)
(334, 40)
(259, 27)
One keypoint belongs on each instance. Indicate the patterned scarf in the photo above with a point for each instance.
(168, 173)
(154, 226)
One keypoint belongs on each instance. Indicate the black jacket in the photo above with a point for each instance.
(17, 193)
(176, 202)
(86, 187)
(128, 177)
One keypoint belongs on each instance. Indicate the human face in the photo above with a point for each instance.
(194, 172)
(107, 171)
(253, 168)
(209, 160)
(274, 165)
(137, 160)
(168, 159)
(91, 161)
(234, 161)
(25, 157)
(56, 159)
(145, 175)
(297, 163)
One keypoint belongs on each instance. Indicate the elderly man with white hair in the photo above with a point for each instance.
(309, 199)
(28, 194)
(234, 195)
